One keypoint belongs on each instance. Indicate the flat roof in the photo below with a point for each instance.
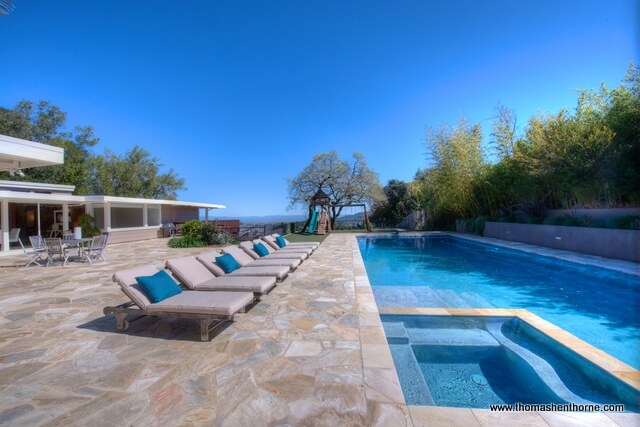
(16, 153)
(22, 197)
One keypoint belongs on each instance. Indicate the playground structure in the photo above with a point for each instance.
(319, 220)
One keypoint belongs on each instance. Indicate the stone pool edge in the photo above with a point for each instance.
(376, 355)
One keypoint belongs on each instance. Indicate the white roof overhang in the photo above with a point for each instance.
(16, 153)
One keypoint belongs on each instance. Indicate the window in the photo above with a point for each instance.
(126, 216)
(153, 215)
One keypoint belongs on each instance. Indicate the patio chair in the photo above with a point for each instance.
(314, 245)
(247, 266)
(14, 236)
(248, 248)
(36, 252)
(271, 243)
(192, 274)
(95, 249)
(55, 230)
(55, 247)
(106, 238)
(247, 260)
(209, 308)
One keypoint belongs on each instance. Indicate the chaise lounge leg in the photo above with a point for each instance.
(121, 321)
(204, 329)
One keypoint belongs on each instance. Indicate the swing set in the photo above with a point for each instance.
(319, 219)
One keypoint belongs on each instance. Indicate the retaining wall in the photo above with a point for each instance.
(605, 242)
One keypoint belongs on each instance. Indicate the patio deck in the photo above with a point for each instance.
(310, 353)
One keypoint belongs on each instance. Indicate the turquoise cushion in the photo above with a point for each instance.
(158, 287)
(260, 249)
(281, 242)
(227, 262)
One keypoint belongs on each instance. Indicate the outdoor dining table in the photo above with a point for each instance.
(77, 243)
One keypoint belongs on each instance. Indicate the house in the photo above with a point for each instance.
(51, 209)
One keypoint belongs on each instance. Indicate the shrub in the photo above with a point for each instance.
(191, 228)
(570, 221)
(535, 220)
(88, 225)
(209, 232)
(629, 222)
(554, 220)
(188, 241)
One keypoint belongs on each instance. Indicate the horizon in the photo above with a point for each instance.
(237, 99)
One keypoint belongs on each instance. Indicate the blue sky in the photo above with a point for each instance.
(238, 96)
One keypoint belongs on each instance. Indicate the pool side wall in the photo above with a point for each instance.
(608, 243)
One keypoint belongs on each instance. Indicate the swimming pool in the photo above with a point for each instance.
(599, 306)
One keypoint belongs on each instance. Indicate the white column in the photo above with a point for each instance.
(4, 225)
(39, 225)
(206, 214)
(65, 217)
(145, 215)
(107, 216)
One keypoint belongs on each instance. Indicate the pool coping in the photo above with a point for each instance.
(376, 352)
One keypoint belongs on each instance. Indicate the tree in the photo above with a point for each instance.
(136, 174)
(447, 186)
(399, 202)
(503, 135)
(345, 182)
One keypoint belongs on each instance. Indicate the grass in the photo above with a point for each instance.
(297, 237)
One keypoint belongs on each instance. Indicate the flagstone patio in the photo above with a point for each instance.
(312, 352)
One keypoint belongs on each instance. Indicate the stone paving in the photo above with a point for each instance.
(312, 352)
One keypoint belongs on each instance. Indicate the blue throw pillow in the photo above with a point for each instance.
(158, 287)
(260, 249)
(281, 242)
(227, 262)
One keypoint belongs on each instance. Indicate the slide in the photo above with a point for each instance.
(314, 221)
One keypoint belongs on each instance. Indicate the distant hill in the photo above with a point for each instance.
(265, 219)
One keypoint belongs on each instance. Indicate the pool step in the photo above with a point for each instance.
(412, 381)
(451, 336)
(395, 332)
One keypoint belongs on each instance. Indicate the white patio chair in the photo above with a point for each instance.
(55, 230)
(56, 247)
(107, 237)
(14, 236)
(95, 249)
(36, 252)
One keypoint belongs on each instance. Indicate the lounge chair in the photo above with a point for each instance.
(271, 241)
(192, 274)
(208, 259)
(246, 260)
(248, 248)
(271, 244)
(210, 308)
(314, 245)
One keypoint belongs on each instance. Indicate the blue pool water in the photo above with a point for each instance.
(477, 361)
(599, 306)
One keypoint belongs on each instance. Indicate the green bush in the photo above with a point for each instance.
(209, 232)
(629, 222)
(191, 228)
(88, 225)
(570, 221)
(188, 241)
(554, 220)
(535, 220)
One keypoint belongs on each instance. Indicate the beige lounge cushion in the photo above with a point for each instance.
(313, 245)
(216, 303)
(274, 246)
(259, 285)
(291, 263)
(208, 259)
(282, 253)
(248, 248)
(280, 272)
(127, 281)
(189, 271)
(238, 254)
